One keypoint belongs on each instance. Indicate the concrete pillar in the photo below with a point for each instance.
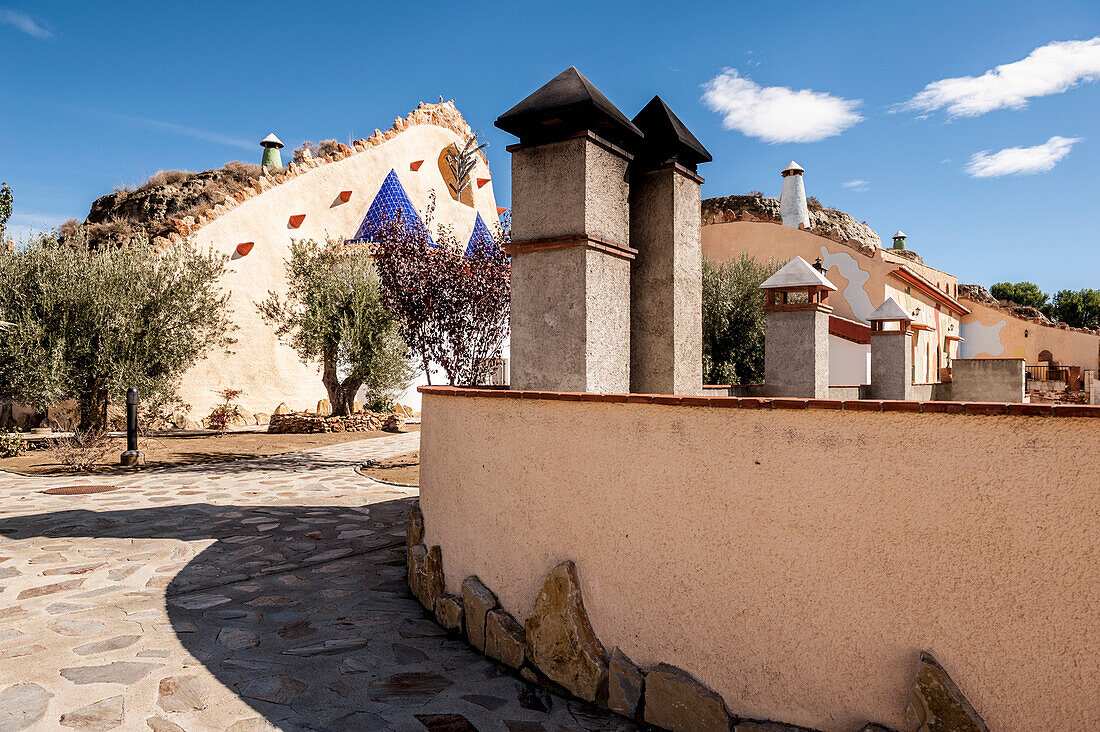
(666, 278)
(796, 352)
(891, 352)
(796, 332)
(571, 254)
(891, 364)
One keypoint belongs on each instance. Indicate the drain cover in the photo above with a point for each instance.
(79, 490)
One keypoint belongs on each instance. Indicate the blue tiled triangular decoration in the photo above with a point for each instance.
(390, 201)
(481, 239)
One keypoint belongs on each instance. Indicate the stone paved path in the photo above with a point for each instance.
(256, 595)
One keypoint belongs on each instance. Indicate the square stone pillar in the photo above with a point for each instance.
(666, 280)
(571, 254)
(796, 351)
(892, 364)
(891, 352)
(796, 332)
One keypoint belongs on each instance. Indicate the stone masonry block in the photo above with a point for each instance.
(676, 701)
(449, 612)
(504, 638)
(937, 704)
(625, 685)
(560, 640)
(477, 601)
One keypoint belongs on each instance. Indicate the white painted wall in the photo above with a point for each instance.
(268, 372)
(849, 363)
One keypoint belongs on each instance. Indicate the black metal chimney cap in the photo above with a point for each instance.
(566, 104)
(666, 137)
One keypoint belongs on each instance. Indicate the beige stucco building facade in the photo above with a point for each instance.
(865, 277)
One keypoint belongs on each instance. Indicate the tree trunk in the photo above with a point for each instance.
(330, 379)
(93, 407)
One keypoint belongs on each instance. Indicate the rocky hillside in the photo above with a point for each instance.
(147, 213)
(826, 221)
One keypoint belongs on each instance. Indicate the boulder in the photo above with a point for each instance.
(282, 409)
(504, 638)
(324, 407)
(449, 612)
(560, 640)
(356, 407)
(393, 423)
(676, 701)
(262, 418)
(477, 601)
(625, 685)
(937, 704)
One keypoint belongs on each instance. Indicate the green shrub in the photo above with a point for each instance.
(12, 444)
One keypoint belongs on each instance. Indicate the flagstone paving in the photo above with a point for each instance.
(256, 595)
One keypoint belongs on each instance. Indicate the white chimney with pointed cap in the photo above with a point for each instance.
(792, 201)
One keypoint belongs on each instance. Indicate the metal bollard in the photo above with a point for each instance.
(132, 457)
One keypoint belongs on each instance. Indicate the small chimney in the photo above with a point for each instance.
(792, 201)
(271, 158)
(899, 240)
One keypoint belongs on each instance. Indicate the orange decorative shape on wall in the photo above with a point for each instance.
(501, 210)
(296, 220)
(481, 182)
(245, 247)
(345, 196)
(415, 165)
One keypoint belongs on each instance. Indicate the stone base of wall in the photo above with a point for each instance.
(556, 648)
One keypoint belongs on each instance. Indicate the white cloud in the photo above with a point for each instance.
(777, 113)
(858, 185)
(1049, 69)
(24, 22)
(1020, 160)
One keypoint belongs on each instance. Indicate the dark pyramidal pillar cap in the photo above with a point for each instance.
(666, 137)
(566, 104)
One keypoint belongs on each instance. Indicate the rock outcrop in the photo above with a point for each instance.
(826, 221)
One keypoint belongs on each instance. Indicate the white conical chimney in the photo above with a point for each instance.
(792, 201)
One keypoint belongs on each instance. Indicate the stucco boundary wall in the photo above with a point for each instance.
(797, 556)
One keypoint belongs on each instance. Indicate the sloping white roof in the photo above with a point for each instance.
(900, 233)
(793, 167)
(271, 140)
(796, 273)
(890, 310)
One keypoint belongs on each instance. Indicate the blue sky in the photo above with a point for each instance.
(95, 95)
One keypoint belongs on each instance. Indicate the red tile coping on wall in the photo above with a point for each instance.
(728, 402)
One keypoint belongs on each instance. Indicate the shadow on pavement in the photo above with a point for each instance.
(304, 613)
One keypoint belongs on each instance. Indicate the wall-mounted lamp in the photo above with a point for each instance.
(819, 266)
(1025, 332)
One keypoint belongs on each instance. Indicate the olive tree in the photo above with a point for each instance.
(733, 319)
(332, 313)
(87, 324)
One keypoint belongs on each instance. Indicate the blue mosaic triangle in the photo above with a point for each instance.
(481, 239)
(390, 201)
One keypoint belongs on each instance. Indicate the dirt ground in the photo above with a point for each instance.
(168, 450)
(403, 468)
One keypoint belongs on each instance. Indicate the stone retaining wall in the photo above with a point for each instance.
(300, 423)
